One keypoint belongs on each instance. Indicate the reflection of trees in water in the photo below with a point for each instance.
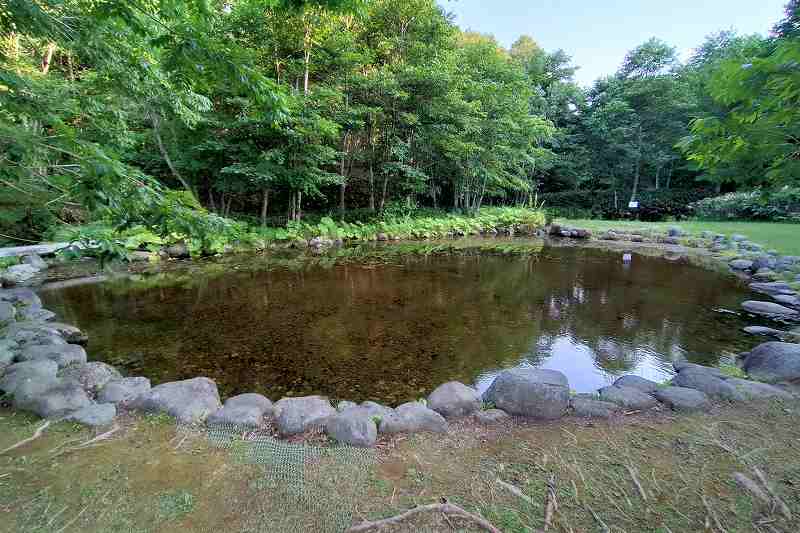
(394, 332)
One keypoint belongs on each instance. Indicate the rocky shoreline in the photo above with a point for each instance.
(44, 370)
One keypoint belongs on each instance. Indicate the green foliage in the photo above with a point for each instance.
(654, 205)
(782, 205)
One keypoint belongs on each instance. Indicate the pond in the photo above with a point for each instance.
(388, 326)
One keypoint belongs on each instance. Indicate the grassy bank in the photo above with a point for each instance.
(785, 238)
(654, 472)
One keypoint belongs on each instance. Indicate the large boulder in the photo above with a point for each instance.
(712, 385)
(297, 415)
(412, 417)
(245, 410)
(787, 300)
(681, 366)
(189, 401)
(770, 310)
(454, 399)
(774, 362)
(69, 333)
(37, 314)
(491, 416)
(636, 382)
(34, 333)
(352, 427)
(179, 250)
(28, 371)
(592, 408)
(8, 354)
(530, 392)
(60, 397)
(741, 264)
(777, 287)
(21, 296)
(17, 275)
(92, 376)
(35, 261)
(123, 391)
(96, 414)
(756, 390)
(683, 399)
(8, 313)
(63, 354)
(628, 398)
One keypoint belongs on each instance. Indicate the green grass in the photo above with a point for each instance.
(785, 238)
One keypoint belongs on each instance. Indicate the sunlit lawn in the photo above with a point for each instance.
(785, 238)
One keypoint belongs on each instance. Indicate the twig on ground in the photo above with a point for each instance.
(599, 520)
(632, 472)
(515, 491)
(776, 500)
(23, 442)
(446, 508)
(712, 515)
(90, 442)
(551, 504)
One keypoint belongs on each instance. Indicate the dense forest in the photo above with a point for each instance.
(175, 114)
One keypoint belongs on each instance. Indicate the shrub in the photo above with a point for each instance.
(654, 205)
(778, 206)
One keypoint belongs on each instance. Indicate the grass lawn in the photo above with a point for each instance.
(656, 472)
(785, 238)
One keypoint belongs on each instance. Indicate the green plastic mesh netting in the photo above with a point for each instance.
(306, 488)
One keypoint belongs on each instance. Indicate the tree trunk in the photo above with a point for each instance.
(385, 186)
(211, 202)
(371, 187)
(299, 211)
(307, 56)
(48, 57)
(636, 171)
(264, 206)
(161, 148)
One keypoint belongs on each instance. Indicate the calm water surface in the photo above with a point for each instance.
(392, 330)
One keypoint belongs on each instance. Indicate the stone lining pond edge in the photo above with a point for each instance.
(42, 367)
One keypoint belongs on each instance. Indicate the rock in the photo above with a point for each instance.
(707, 234)
(786, 300)
(33, 333)
(627, 397)
(454, 399)
(189, 401)
(741, 264)
(591, 408)
(675, 231)
(768, 332)
(776, 287)
(530, 392)
(738, 238)
(36, 314)
(60, 398)
(8, 313)
(636, 382)
(17, 275)
(412, 417)
(711, 385)
(491, 416)
(245, 410)
(20, 296)
(98, 414)
(63, 354)
(353, 428)
(764, 274)
(320, 242)
(92, 376)
(774, 362)
(298, 415)
(764, 261)
(769, 309)
(382, 237)
(123, 391)
(69, 333)
(681, 366)
(376, 410)
(346, 404)
(35, 261)
(8, 353)
(179, 250)
(138, 256)
(30, 390)
(757, 391)
(20, 373)
(683, 399)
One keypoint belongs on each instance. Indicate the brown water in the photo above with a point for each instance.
(391, 327)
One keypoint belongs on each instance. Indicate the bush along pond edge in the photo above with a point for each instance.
(44, 370)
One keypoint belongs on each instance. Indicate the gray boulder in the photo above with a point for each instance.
(590, 408)
(680, 366)
(738, 238)
(741, 264)
(675, 231)
(245, 410)
(627, 397)
(20, 296)
(8, 354)
(683, 399)
(775, 287)
(756, 390)
(8, 313)
(63, 354)
(454, 399)
(770, 310)
(189, 401)
(37, 314)
(711, 385)
(94, 415)
(774, 362)
(491, 416)
(35, 261)
(353, 428)
(61, 397)
(179, 250)
(298, 415)
(28, 371)
(69, 333)
(92, 376)
(762, 331)
(764, 261)
(123, 391)
(787, 301)
(33, 333)
(530, 392)
(374, 409)
(412, 417)
(17, 275)
(636, 382)
(345, 405)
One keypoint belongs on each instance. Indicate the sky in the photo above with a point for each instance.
(598, 33)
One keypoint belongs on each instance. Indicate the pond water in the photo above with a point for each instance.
(391, 327)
